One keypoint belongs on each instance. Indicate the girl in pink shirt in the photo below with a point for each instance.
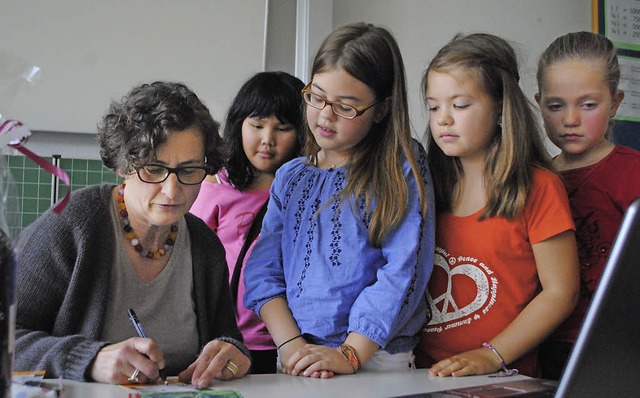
(264, 128)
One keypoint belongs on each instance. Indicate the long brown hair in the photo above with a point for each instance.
(370, 54)
(517, 145)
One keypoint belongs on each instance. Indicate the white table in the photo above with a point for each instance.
(363, 384)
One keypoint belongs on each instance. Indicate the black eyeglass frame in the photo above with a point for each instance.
(173, 170)
(359, 112)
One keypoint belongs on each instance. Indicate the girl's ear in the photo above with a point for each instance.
(382, 109)
(615, 102)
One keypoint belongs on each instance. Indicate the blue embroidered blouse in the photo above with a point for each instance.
(333, 279)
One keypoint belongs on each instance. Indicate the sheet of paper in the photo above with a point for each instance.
(630, 83)
(622, 23)
(177, 389)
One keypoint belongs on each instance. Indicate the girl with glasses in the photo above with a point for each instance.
(133, 246)
(264, 128)
(339, 270)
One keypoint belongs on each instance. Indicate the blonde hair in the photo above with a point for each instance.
(583, 46)
(517, 145)
(586, 46)
(370, 54)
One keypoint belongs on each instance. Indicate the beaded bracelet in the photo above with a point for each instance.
(288, 341)
(505, 371)
(350, 355)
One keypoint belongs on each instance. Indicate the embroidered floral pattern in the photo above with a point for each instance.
(365, 214)
(302, 202)
(414, 278)
(336, 236)
(308, 246)
(292, 187)
(424, 172)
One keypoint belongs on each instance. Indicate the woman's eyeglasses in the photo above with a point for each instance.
(343, 110)
(155, 174)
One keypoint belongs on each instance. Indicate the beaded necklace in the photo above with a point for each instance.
(133, 239)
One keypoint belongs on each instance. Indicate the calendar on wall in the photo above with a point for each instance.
(619, 21)
(622, 23)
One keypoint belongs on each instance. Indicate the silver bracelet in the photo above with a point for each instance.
(505, 371)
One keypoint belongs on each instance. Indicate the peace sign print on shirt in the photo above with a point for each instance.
(469, 292)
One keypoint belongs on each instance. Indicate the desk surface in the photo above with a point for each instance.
(363, 384)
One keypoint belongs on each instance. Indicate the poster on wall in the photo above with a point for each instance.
(622, 23)
(619, 21)
(630, 83)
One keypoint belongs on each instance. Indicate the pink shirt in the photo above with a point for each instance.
(230, 213)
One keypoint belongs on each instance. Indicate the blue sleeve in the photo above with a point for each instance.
(263, 273)
(395, 305)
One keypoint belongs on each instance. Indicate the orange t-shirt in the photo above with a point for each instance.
(485, 273)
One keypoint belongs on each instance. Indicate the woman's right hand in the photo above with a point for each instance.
(115, 363)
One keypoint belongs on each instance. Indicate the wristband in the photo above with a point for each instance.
(350, 355)
(505, 371)
(288, 341)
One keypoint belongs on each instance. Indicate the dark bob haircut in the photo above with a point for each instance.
(263, 95)
(133, 128)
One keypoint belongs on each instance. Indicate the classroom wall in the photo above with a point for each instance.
(91, 52)
(241, 44)
(214, 45)
(422, 27)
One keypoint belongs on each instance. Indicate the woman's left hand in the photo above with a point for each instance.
(219, 360)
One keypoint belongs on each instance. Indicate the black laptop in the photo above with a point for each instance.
(605, 361)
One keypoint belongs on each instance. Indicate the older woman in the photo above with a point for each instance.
(133, 246)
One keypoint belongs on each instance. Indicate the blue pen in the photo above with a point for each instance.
(136, 324)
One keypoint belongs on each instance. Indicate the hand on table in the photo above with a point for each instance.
(289, 350)
(318, 361)
(219, 360)
(474, 362)
(116, 363)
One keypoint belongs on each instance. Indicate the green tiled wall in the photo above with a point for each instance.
(34, 184)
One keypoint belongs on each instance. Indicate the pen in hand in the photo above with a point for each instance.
(136, 324)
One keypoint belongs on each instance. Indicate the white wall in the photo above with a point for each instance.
(93, 51)
(281, 36)
(422, 27)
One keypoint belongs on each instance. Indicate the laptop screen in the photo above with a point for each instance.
(605, 358)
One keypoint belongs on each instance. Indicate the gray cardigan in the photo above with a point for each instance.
(62, 286)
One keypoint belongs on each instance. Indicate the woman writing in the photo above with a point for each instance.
(133, 246)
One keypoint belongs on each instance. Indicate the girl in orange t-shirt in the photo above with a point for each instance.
(506, 269)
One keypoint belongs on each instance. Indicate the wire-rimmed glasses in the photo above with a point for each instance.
(343, 110)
